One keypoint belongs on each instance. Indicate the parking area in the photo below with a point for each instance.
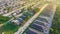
(44, 21)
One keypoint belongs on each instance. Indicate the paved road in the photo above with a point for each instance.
(48, 15)
(38, 3)
(44, 18)
(17, 15)
(18, 9)
(22, 29)
(50, 21)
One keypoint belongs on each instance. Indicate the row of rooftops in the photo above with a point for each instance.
(7, 6)
(40, 24)
(25, 15)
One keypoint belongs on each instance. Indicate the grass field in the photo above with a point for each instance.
(55, 29)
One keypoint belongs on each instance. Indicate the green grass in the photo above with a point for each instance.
(3, 19)
(55, 29)
(9, 28)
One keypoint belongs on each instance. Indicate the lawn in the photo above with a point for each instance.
(3, 19)
(55, 29)
(9, 28)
